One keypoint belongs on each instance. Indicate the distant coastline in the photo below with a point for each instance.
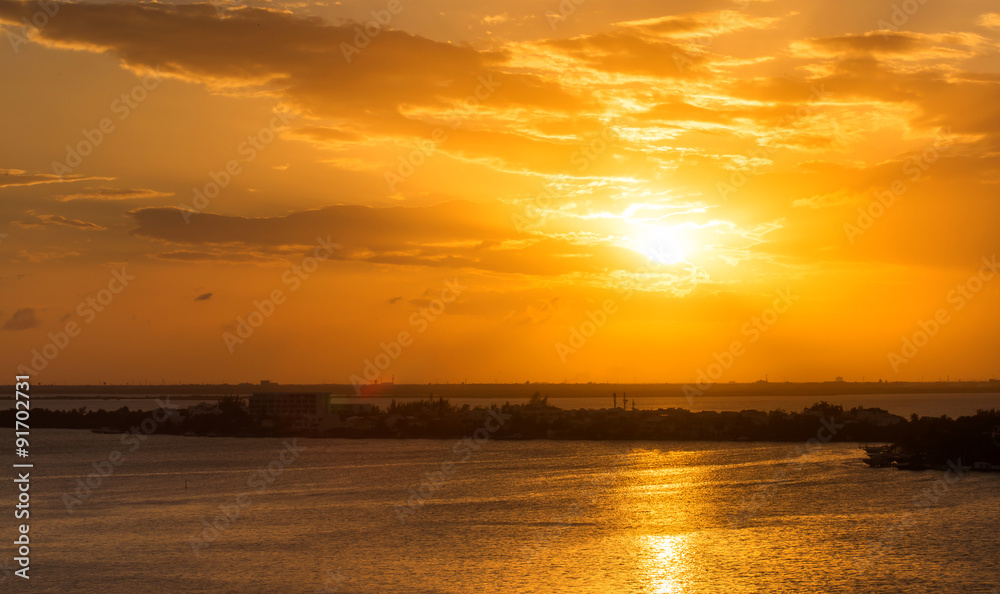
(502, 391)
(916, 443)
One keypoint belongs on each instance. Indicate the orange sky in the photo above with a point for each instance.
(613, 191)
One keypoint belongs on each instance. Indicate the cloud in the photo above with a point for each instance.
(399, 86)
(40, 257)
(203, 297)
(896, 44)
(23, 319)
(456, 235)
(838, 198)
(990, 20)
(700, 24)
(304, 60)
(334, 136)
(49, 220)
(629, 52)
(380, 229)
(675, 46)
(10, 178)
(220, 257)
(393, 300)
(676, 110)
(113, 194)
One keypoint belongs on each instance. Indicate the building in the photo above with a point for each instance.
(288, 405)
(314, 410)
(296, 411)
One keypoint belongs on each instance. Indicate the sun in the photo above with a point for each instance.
(660, 243)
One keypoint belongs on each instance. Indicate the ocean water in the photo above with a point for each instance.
(512, 516)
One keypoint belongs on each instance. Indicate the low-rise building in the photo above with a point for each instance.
(296, 411)
(312, 410)
(276, 404)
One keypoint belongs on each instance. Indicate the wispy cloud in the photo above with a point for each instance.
(22, 319)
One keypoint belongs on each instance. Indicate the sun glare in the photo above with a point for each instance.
(661, 244)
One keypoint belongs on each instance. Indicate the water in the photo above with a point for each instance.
(530, 516)
(141, 404)
(934, 405)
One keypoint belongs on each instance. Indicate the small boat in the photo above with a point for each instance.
(105, 430)
(881, 456)
(879, 460)
(882, 449)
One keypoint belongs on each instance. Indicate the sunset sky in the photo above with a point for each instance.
(679, 167)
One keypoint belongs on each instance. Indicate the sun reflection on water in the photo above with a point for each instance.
(666, 563)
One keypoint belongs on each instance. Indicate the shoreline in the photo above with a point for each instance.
(914, 443)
